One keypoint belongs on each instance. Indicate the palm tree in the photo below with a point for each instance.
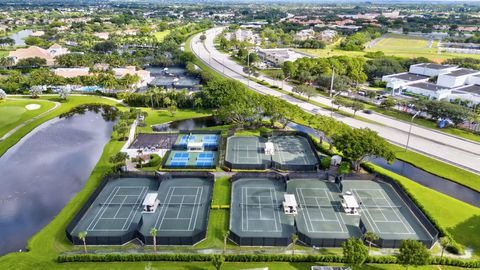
(370, 237)
(153, 233)
(140, 157)
(225, 238)
(294, 238)
(83, 236)
(445, 242)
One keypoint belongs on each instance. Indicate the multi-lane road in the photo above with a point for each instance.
(439, 145)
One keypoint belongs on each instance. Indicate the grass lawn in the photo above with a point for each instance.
(272, 73)
(73, 101)
(163, 116)
(460, 219)
(13, 112)
(439, 168)
(222, 191)
(394, 45)
(161, 35)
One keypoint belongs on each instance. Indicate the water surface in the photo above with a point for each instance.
(42, 172)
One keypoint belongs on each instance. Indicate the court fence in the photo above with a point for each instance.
(202, 132)
(421, 217)
(133, 232)
(257, 240)
(106, 240)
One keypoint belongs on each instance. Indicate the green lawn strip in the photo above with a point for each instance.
(439, 168)
(72, 102)
(222, 191)
(163, 116)
(462, 220)
(217, 226)
(14, 113)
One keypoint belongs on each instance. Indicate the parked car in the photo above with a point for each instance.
(368, 111)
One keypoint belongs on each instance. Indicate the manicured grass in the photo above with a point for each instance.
(13, 112)
(460, 219)
(394, 45)
(439, 168)
(217, 226)
(73, 101)
(271, 72)
(162, 116)
(161, 35)
(222, 191)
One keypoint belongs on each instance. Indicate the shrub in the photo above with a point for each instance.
(325, 162)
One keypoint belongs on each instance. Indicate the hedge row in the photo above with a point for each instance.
(249, 258)
(455, 247)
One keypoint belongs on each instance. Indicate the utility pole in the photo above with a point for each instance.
(248, 67)
(410, 130)
(331, 82)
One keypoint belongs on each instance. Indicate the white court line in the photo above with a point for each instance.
(300, 196)
(273, 207)
(408, 228)
(103, 208)
(198, 208)
(120, 207)
(367, 212)
(193, 209)
(164, 207)
(180, 207)
(135, 207)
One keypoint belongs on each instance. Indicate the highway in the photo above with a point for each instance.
(448, 148)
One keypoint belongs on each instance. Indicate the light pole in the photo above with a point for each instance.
(248, 67)
(410, 130)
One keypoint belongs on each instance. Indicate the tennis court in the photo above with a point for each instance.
(210, 141)
(117, 216)
(184, 159)
(257, 218)
(291, 152)
(321, 220)
(384, 212)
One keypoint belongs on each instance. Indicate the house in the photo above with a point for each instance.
(304, 34)
(72, 72)
(102, 35)
(279, 56)
(35, 51)
(327, 35)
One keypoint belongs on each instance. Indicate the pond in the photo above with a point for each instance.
(188, 124)
(432, 181)
(44, 171)
(20, 36)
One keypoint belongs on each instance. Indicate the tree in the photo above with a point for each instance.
(105, 46)
(172, 108)
(3, 95)
(294, 239)
(36, 91)
(413, 253)
(140, 159)
(388, 103)
(203, 37)
(119, 158)
(445, 241)
(356, 106)
(217, 261)
(358, 144)
(153, 233)
(121, 127)
(83, 236)
(225, 239)
(64, 91)
(354, 252)
(32, 62)
(370, 237)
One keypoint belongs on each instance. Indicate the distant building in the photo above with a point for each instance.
(35, 51)
(279, 56)
(304, 34)
(327, 35)
(452, 82)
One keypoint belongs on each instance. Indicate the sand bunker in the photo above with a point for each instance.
(32, 107)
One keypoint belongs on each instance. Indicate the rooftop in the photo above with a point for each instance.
(428, 86)
(409, 77)
(433, 66)
(462, 72)
(473, 88)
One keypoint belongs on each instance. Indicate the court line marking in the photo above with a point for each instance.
(373, 225)
(407, 226)
(110, 197)
(247, 219)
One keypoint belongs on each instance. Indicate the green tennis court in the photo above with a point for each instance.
(291, 152)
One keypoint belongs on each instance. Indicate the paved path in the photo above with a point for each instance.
(8, 134)
(454, 150)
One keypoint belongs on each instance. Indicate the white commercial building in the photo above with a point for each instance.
(280, 56)
(429, 69)
(456, 78)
